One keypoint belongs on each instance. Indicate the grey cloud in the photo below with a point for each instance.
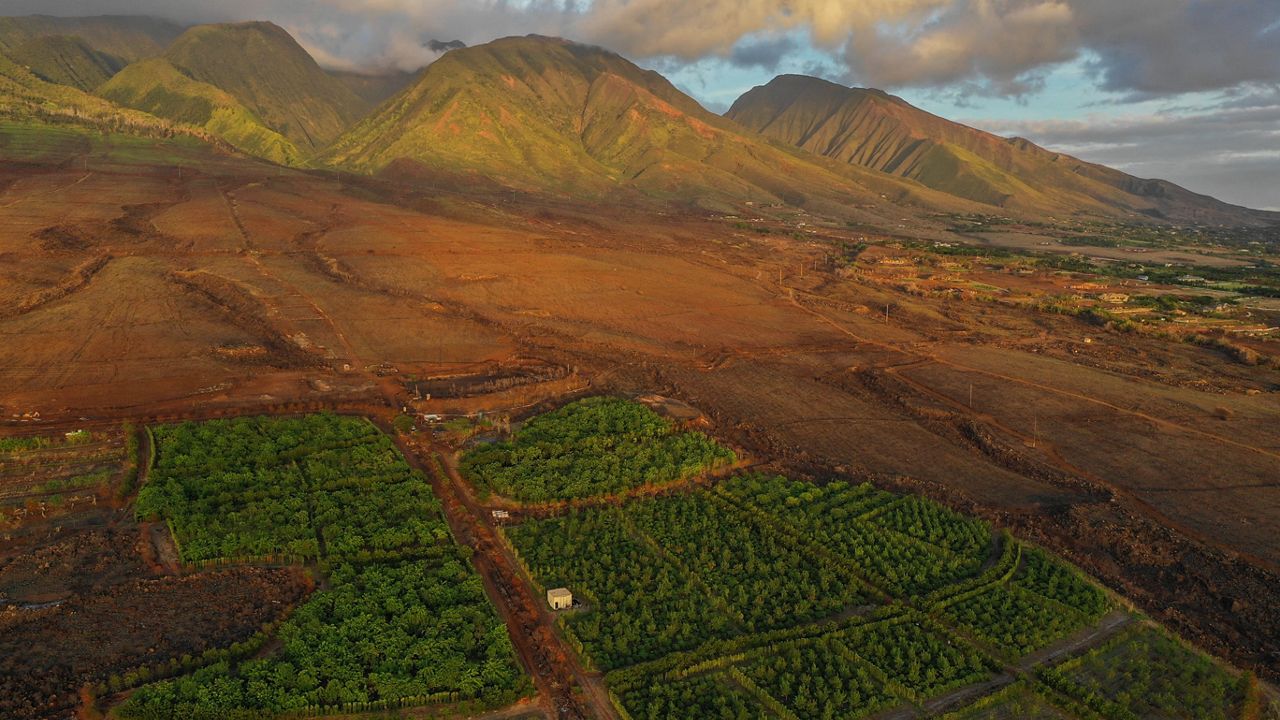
(1231, 150)
(438, 46)
(764, 53)
(1141, 46)
(994, 47)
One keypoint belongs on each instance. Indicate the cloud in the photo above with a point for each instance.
(1143, 47)
(765, 53)
(982, 44)
(441, 46)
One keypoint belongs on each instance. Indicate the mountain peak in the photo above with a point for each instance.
(875, 130)
(297, 98)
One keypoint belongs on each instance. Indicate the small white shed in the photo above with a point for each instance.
(560, 599)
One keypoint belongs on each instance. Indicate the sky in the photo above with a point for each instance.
(1186, 90)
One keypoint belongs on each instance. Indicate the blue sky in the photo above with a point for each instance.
(1187, 90)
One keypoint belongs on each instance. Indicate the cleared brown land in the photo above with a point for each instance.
(241, 293)
(84, 596)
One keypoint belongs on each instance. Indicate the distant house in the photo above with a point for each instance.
(501, 515)
(1114, 298)
(560, 599)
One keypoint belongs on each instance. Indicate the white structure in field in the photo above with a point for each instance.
(560, 599)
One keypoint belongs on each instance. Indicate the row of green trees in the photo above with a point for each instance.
(886, 538)
(928, 521)
(213, 445)
(596, 446)
(767, 578)
(1016, 620)
(917, 656)
(1042, 574)
(820, 681)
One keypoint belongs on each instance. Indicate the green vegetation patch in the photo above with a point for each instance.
(40, 442)
(383, 636)
(401, 618)
(1145, 673)
(320, 486)
(597, 446)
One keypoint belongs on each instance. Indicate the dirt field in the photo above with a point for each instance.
(88, 577)
(1152, 464)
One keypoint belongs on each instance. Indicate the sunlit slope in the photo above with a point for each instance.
(264, 68)
(50, 123)
(157, 87)
(545, 114)
(872, 129)
(25, 97)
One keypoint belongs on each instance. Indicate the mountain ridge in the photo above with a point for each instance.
(127, 38)
(547, 114)
(876, 130)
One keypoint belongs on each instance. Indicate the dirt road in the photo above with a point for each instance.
(542, 650)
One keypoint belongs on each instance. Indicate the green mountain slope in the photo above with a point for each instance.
(871, 129)
(270, 74)
(157, 87)
(51, 123)
(66, 60)
(123, 38)
(548, 115)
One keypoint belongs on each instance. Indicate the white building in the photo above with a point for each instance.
(560, 599)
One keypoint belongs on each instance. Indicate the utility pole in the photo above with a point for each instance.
(970, 396)
(1035, 428)
(886, 314)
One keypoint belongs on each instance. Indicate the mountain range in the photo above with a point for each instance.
(872, 129)
(546, 115)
